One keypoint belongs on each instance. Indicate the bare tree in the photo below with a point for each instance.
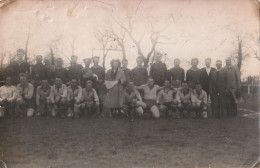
(155, 35)
(239, 55)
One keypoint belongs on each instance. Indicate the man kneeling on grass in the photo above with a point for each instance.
(90, 101)
(43, 100)
(150, 91)
(7, 97)
(183, 98)
(74, 98)
(24, 101)
(166, 99)
(199, 101)
(58, 97)
(133, 101)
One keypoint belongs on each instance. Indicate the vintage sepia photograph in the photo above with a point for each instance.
(129, 83)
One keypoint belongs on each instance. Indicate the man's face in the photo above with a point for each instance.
(87, 62)
(198, 87)
(131, 85)
(58, 81)
(208, 62)
(38, 59)
(167, 84)
(115, 64)
(23, 80)
(194, 63)
(20, 55)
(88, 85)
(73, 83)
(45, 83)
(95, 60)
(125, 63)
(228, 61)
(150, 82)
(184, 85)
(74, 59)
(218, 64)
(139, 61)
(177, 62)
(8, 81)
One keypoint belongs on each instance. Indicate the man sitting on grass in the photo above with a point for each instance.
(7, 97)
(24, 101)
(90, 101)
(43, 100)
(150, 94)
(199, 101)
(183, 98)
(73, 98)
(166, 99)
(58, 98)
(133, 100)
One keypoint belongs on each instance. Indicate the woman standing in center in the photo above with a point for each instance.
(114, 80)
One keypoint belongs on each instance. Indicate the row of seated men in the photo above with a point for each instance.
(75, 101)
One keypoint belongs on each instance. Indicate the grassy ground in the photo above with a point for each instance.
(105, 142)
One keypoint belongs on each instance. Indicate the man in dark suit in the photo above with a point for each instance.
(193, 74)
(176, 73)
(206, 75)
(158, 70)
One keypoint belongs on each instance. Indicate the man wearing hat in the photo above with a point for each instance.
(90, 100)
(99, 71)
(158, 70)
(233, 86)
(75, 69)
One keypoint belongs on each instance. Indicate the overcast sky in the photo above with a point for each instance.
(195, 28)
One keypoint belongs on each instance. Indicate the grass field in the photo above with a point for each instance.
(105, 142)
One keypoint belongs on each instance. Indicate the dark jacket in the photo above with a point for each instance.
(205, 78)
(193, 77)
(61, 73)
(140, 76)
(176, 73)
(74, 71)
(158, 72)
(39, 72)
(128, 74)
(218, 82)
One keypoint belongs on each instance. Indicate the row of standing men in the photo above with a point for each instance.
(221, 85)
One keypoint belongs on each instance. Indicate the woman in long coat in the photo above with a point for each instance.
(114, 80)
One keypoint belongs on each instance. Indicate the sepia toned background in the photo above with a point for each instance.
(187, 29)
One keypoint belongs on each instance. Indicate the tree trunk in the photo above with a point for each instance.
(239, 55)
